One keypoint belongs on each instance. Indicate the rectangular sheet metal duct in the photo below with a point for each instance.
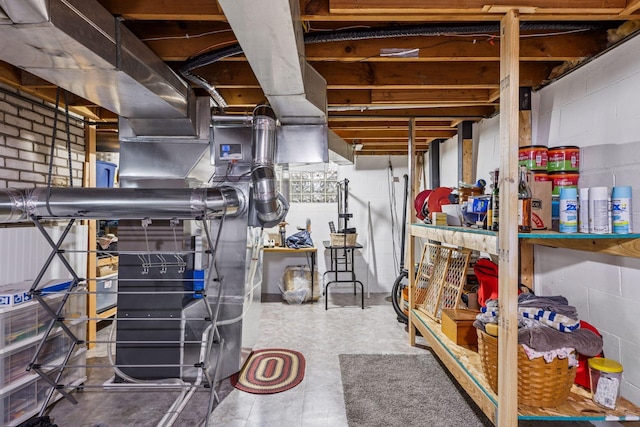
(270, 34)
(79, 46)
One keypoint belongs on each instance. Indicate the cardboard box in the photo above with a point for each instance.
(541, 205)
(438, 218)
(457, 325)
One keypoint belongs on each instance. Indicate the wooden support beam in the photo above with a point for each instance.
(465, 152)
(472, 6)
(524, 133)
(387, 76)
(508, 236)
(90, 181)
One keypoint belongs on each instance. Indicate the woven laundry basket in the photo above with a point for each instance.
(540, 384)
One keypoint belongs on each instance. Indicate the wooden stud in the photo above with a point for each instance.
(508, 236)
(411, 250)
(90, 181)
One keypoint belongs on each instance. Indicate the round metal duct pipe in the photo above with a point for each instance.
(271, 207)
(119, 203)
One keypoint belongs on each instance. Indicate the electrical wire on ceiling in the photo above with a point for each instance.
(354, 34)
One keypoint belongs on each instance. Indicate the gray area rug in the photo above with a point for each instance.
(404, 390)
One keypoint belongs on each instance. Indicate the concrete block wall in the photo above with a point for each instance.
(26, 130)
(595, 108)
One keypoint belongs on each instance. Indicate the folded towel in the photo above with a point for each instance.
(545, 338)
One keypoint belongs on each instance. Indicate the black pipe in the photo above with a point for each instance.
(186, 70)
(404, 219)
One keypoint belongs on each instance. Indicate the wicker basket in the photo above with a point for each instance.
(343, 239)
(540, 384)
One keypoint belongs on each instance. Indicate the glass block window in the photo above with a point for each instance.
(313, 187)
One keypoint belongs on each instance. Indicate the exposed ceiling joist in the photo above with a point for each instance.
(374, 85)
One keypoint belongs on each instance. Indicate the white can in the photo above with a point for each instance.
(583, 210)
(599, 210)
(621, 210)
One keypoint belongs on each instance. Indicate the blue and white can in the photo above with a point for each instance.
(568, 210)
(621, 210)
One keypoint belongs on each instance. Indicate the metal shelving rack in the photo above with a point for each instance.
(149, 260)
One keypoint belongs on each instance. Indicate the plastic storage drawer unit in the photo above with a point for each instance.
(15, 359)
(20, 402)
(27, 320)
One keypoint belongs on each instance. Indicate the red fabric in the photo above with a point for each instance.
(582, 372)
(487, 273)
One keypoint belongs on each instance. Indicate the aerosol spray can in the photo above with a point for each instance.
(621, 210)
(583, 210)
(568, 210)
(599, 210)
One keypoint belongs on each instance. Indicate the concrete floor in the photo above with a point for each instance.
(318, 401)
(318, 334)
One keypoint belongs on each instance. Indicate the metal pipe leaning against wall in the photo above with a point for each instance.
(119, 203)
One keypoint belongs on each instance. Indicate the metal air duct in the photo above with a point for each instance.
(271, 207)
(79, 46)
(118, 203)
(270, 34)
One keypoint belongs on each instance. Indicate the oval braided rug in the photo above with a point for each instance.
(270, 371)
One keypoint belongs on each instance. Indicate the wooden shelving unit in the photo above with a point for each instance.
(464, 364)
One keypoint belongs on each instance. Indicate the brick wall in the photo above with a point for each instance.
(26, 129)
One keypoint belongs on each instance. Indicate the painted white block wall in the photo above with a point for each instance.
(370, 184)
(595, 108)
(24, 251)
(449, 163)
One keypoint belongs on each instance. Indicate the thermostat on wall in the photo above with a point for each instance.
(231, 151)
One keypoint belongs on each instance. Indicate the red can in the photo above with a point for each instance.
(563, 179)
(563, 159)
(534, 157)
(541, 176)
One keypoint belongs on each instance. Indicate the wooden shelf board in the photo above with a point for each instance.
(463, 362)
(627, 245)
(471, 238)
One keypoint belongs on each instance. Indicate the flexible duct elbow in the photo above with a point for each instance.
(271, 207)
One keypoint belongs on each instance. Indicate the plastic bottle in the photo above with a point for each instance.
(489, 217)
(568, 210)
(495, 202)
(524, 202)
